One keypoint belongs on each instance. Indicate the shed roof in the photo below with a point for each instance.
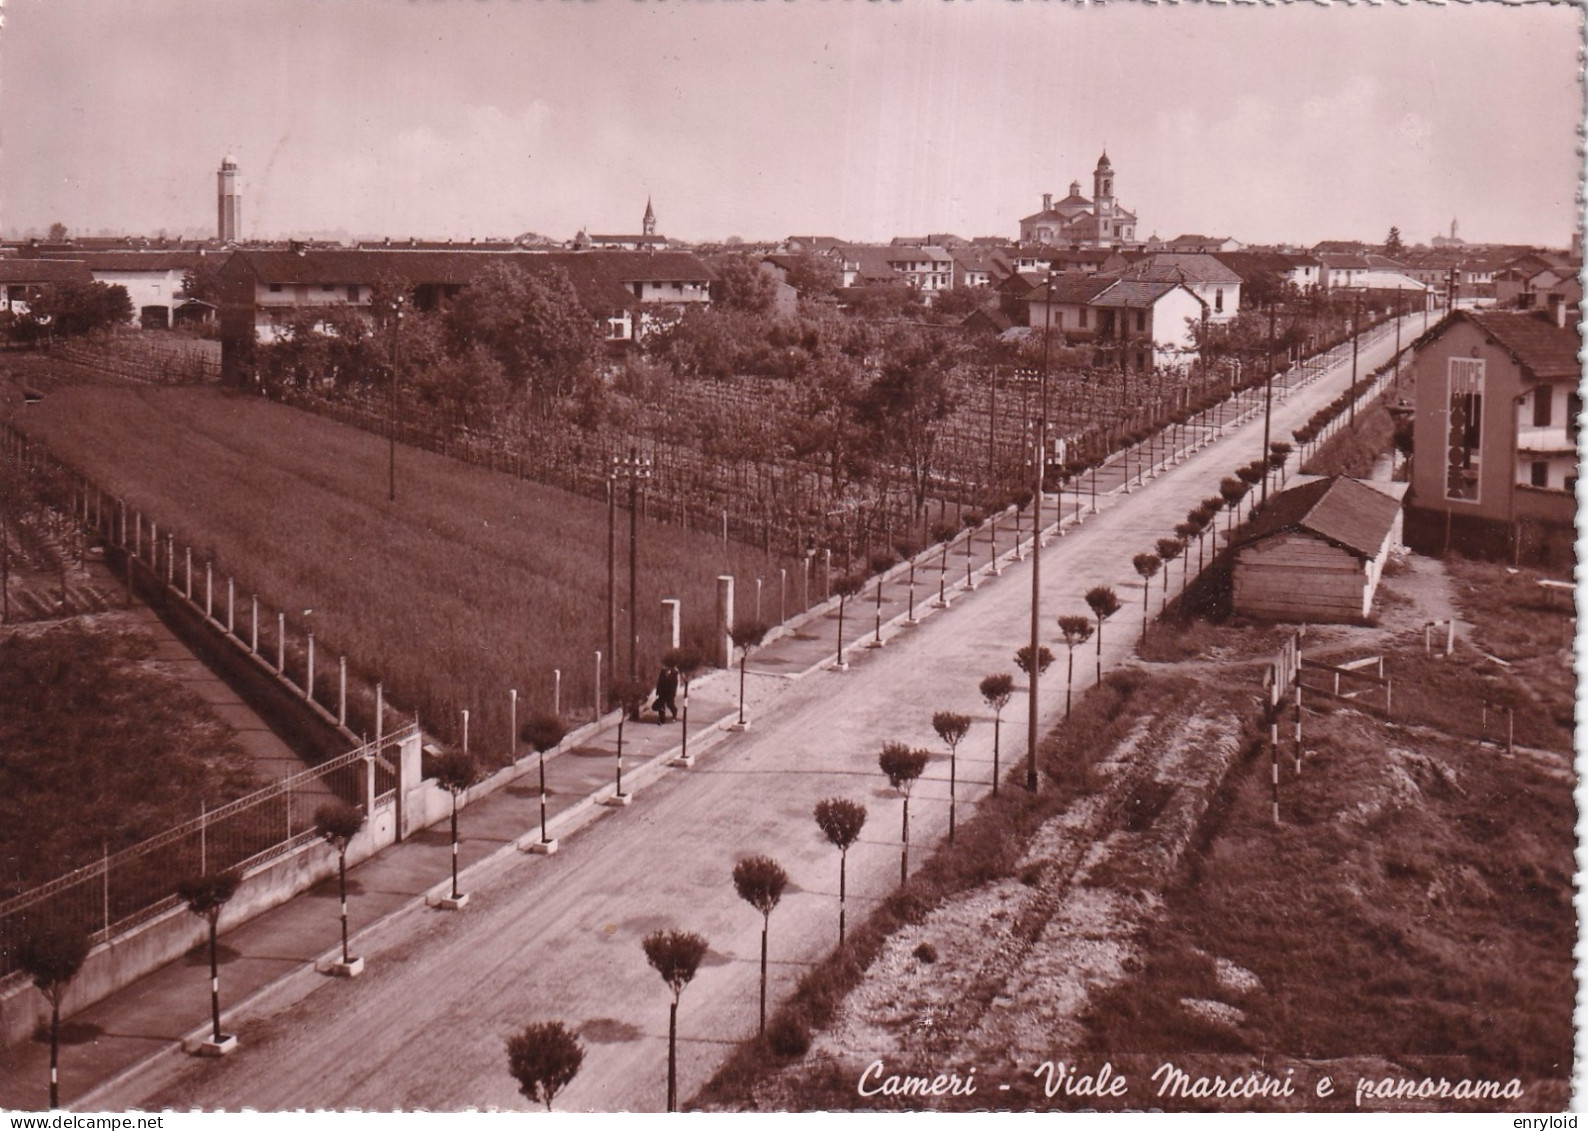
(1343, 511)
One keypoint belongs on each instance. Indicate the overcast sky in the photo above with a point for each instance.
(764, 118)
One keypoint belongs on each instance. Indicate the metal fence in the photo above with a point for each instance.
(123, 889)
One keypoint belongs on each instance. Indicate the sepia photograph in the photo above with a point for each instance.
(756, 556)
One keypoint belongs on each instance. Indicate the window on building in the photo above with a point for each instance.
(1141, 321)
(327, 287)
(1573, 411)
(1465, 430)
(1218, 301)
(1543, 400)
(275, 288)
(1540, 473)
(1083, 317)
(352, 292)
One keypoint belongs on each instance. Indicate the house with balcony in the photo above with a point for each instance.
(1494, 463)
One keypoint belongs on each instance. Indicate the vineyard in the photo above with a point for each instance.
(722, 458)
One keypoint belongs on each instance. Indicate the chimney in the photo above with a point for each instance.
(1047, 202)
(1557, 309)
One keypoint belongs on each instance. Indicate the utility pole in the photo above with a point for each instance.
(634, 468)
(612, 574)
(1268, 398)
(1356, 333)
(1039, 465)
(391, 450)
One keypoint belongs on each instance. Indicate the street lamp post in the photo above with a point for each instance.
(1356, 333)
(391, 430)
(635, 468)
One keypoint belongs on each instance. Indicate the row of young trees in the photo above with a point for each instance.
(51, 952)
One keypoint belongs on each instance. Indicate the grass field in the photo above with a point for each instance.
(89, 727)
(470, 584)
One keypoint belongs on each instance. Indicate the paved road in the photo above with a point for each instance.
(559, 937)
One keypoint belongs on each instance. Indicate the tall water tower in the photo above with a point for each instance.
(228, 202)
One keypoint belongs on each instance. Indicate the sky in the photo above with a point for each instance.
(862, 119)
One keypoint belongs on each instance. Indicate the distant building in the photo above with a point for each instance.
(1078, 222)
(1208, 244)
(1494, 463)
(1452, 240)
(647, 240)
(624, 292)
(229, 203)
(21, 280)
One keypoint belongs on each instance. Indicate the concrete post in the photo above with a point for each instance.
(380, 711)
(253, 630)
(670, 607)
(723, 644)
(231, 605)
(209, 591)
(409, 783)
(170, 560)
(341, 691)
(187, 575)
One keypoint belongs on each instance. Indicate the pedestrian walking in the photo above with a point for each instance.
(666, 693)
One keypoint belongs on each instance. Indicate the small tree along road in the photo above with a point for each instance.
(338, 823)
(996, 690)
(951, 728)
(455, 772)
(544, 1058)
(1104, 604)
(676, 956)
(903, 766)
(543, 731)
(51, 956)
(205, 896)
(1147, 566)
(1076, 630)
(760, 881)
(841, 821)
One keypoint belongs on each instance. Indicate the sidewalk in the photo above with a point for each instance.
(274, 959)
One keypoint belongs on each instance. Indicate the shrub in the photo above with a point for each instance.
(789, 1035)
(926, 952)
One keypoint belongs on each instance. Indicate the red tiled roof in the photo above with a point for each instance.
(599, 277)
(42, 271)
(1076, 287)
(1339, 510)
(130, 260)
(1181, 268)
(1132, 293)
(1531, 338)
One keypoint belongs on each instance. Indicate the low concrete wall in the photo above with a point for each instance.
(123, 960)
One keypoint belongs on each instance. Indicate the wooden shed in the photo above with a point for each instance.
(1315, 552)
